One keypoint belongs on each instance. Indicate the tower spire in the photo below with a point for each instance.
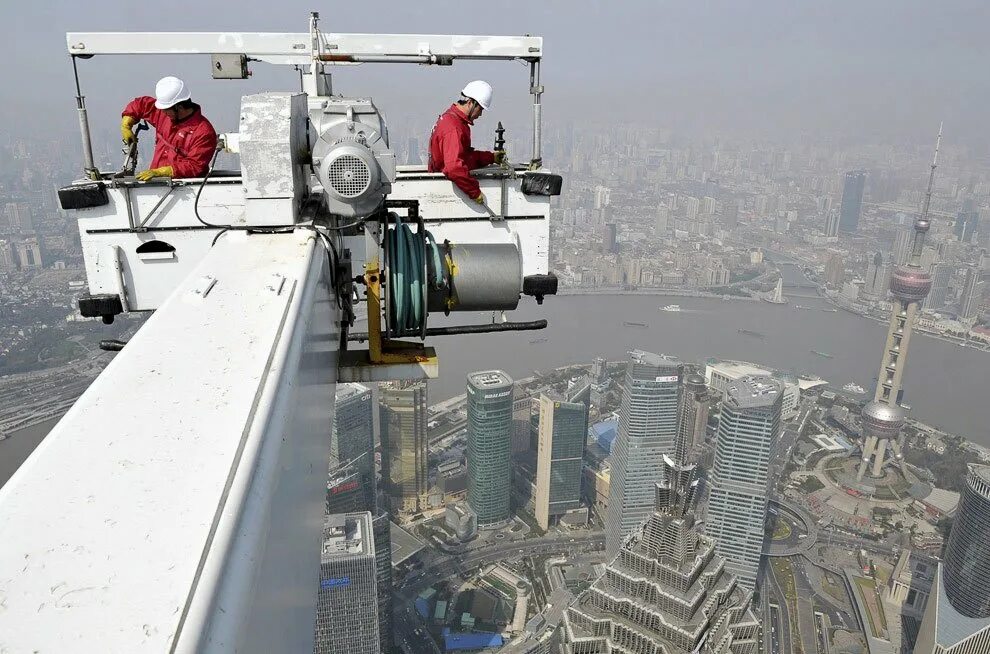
(923, 223)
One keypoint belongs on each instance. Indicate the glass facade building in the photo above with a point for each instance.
(352, 487)
(404, 445)
(489, 445)
(563, 431)
(852, 201)
(737, 502)
(966, 564)
(648, 427)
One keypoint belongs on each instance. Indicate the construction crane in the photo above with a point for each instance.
(178, 504)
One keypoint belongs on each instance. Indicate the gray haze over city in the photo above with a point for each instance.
(876, 72)
(720, 425)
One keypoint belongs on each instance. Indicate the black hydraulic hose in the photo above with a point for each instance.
(470, 329)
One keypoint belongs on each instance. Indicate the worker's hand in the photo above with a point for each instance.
(480, 199)
(500, 157)
(145, 175)
(126, 129)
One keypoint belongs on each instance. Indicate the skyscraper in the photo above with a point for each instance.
(692, 420)
(352, 488)
(647, 431)
(883, 417)
(834, 270)
(737, 502)
(957, 619)
(940, 275)
(852, 201)
(352, 441)
(347, 601)
(663, 219)
(610, 243)
(972, 294)
(560, 452)
(667, 591)
(489, 440)
(413, 156)
(6, 257)
(875, 285)
(901, 249)
(965, 227)
(404, 441)
(831, 223)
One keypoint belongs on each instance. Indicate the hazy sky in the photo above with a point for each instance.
(878, 70)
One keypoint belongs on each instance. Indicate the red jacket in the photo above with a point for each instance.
(451, 152)
(187, 146)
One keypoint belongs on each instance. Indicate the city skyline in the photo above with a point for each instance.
(756, 197)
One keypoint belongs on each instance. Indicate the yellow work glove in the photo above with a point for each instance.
(500, 157)
(126, 131)
(480, 199)
(145, 175)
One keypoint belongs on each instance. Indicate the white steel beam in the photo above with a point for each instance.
(178, 506)
(295, 48)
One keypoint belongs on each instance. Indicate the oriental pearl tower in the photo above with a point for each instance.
(883, 418)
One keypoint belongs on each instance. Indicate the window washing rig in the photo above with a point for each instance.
(320, 164)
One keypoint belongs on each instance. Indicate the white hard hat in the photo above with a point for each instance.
(170, 91)
(479, 91)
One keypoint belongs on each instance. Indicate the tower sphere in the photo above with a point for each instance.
(882, 420)
(910, 284)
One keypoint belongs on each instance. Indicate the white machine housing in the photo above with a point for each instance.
(351, 155)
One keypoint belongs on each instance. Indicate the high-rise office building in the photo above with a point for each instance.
(610, 243)
(831, 223)
(972, 293)
(404, 444)
(909, 285)
(7, 263)
(352, 440)
(413, 157)
(560, 452)
(692, 420)
(748, 427)
(347, 601)
(875, 284)
(940, 275)
(667, 591)
(647, 431)
(835, 270)
(852, 201)
(352, 487)
(19, 219)
(965, 227)
(489, 442)
(957, 619)
(603, 197)
(901, 249)
(730, 214)
(28, 253)
(663, 219)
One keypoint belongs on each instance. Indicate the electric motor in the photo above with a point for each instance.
(351, 155)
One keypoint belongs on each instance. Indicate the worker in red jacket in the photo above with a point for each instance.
(184, 139)
(450, 142)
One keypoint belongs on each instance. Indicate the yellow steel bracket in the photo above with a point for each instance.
(380, 349)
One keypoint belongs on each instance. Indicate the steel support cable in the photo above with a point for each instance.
(407, 252)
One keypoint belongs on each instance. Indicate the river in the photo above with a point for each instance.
(946, 385)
